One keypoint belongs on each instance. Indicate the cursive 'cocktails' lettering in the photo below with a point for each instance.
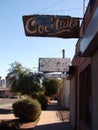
(33, 25)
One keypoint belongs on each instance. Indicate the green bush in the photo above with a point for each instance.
(27, 109)
(35, 95)
(42, 99)
(9, 125)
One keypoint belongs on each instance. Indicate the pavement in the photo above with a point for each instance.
(54, 118)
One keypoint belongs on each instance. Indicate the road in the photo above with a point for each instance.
(6, 102)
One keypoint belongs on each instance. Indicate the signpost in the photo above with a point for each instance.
(51, 26)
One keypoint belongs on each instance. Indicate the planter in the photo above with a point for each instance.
(27, 125)
(16, 124)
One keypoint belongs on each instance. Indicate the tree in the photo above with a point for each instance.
(22, 79)
(51, 86)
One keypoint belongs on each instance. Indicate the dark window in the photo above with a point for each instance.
(85, 96)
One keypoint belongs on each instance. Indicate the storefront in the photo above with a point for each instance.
(84, 82)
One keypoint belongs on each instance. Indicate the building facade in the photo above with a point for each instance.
(4, 89)
(84, 72)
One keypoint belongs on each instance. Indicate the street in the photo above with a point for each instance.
(6, 102)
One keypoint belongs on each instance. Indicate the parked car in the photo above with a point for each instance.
(13, 97)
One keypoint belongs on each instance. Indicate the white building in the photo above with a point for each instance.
(2, 83)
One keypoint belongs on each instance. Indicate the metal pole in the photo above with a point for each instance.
(83, 8)
(63, 80)
(63, 53)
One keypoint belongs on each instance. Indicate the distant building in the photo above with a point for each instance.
(63, 93)
(2, 83)
(4, 90)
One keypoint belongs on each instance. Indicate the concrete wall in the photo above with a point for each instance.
(65, 93)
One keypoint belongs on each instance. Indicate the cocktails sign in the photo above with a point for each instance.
(51, 26)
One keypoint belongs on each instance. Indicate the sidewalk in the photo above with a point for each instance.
(54, 118)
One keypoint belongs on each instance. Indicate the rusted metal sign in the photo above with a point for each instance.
(51, 26)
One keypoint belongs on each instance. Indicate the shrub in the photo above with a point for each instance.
(35, 95)
(27, 109)
(42, 99)
(9, 125)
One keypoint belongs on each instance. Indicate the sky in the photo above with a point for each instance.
(16, 46)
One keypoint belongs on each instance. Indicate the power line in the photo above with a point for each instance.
(59, 2)
(63, 10)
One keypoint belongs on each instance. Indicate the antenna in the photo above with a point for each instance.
(83, 7)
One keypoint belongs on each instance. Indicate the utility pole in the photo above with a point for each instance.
(83, 8)
(63, 53)
(63, 81)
